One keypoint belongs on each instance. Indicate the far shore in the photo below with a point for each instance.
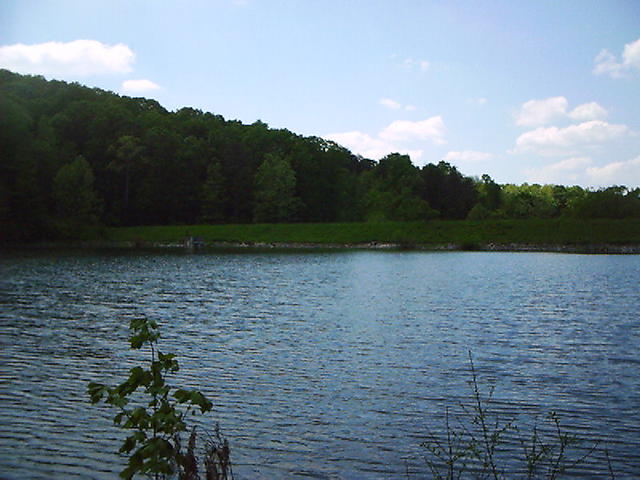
(566, 235)
(604, 248)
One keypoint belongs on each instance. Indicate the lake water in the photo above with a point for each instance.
(327, 365)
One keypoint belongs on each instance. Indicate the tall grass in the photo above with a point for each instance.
(461, 233)
(477, 443)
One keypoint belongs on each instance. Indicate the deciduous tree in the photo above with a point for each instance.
(275, 186)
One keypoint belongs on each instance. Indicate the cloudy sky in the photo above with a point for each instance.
(538, 91)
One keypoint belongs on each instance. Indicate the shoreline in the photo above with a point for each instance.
(587, 248)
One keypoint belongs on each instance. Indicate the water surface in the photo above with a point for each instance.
(320, 365)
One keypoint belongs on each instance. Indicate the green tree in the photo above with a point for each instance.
(565, 197)
(448, 191)
(489, 193)
(128, 151)
(478, 212)
(213, 199)
(275, 186)
(611, 202)
(394, 191)
(326, 179)
(76, 202)
(528, 201)
(22, 199)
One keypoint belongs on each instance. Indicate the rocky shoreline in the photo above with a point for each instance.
(606, 248)
(490, 247)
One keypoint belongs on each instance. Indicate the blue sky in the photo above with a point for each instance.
(539, 91)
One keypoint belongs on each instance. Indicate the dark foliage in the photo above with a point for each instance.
(154, 167)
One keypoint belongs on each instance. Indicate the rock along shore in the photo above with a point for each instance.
(605, 248)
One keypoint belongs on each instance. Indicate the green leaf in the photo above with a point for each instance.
(182, 395)
(128, 472)
(137, 341)
(96, 391)
(143, 331)
(117, 420)
(140, 417)
(135, 465)
(129, 444)
(165, 357)
(200, 400)
(167, 362)
(116, 399)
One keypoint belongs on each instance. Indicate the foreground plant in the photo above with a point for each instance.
(156, 414)
(475, 447)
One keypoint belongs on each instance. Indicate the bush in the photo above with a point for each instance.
(475, 446)
(154, 446)
(479, 212)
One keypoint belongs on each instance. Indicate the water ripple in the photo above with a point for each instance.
(322, 366)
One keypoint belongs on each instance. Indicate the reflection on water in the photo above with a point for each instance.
(320, 365)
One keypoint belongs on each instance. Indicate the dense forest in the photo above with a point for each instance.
(73, 157)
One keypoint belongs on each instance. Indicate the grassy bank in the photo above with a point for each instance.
(461, 233)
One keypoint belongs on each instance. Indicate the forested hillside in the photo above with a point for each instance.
(73, 157)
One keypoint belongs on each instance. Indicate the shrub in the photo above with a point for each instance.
(473, 445)
(156, 424)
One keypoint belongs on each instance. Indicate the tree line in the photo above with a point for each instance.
(73, 156)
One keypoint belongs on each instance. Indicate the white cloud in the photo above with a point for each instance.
(422, 65)
(467, 156)
(369, 147)
(481, 101)
(583, 171)
(616, 173)
(139, 86)
(606, 62)
(631, 55)
(432, 129)
(392, 104)
(541, 112)
(568, 140)
(588, 111)
(567, 171)
(76, 58)
(399, 136)
(360, 143)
